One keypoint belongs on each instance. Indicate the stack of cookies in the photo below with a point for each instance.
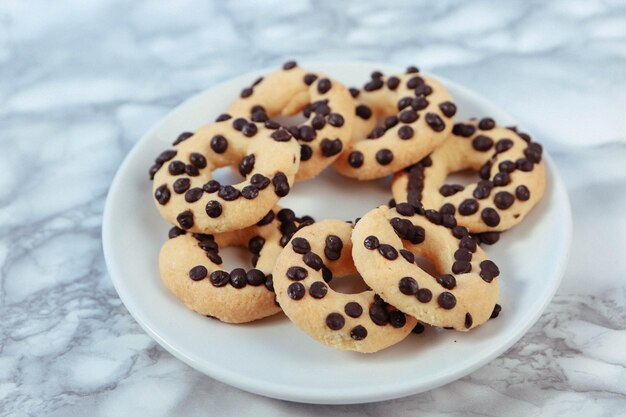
(399, 125)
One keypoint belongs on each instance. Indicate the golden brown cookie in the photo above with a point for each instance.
(326, 104)
(360, 322)
(187, 196)
(511, 175)
(191, 269)
(418, 114)
(385, 244)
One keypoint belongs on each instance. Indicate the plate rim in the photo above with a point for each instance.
(318, 395)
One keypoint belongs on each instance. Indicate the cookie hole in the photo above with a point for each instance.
(295, 120)
(464, 177)
(226, 176)
(349, 284)
(426, 265)
(235, 257)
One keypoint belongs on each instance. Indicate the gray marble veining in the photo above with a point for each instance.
(81, 82)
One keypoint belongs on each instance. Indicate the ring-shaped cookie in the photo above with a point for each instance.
(190, 266)
(361, 322)
(385, 245)
(187, 196)
(325, 103)
(512, 177)
(418, 115)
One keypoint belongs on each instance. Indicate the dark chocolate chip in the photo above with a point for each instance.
(408, 286)
(324, 85)
(255, 277)
(333, 247)
(176, 168)
(281, 135)
(448, 108)
(219, 144)
(211, 186)
(405, 209)
(490, 217)
(238, 278)
(182, 137)
(434, 121)
(384, 156)
(412, 69)
(468, 320)
(246, 165)
(501, 179)
(193, 195)
(246, 92)
(310, 79)
(334, 321)
(486, 124)
(404, 102)
(239, 123)
(468, 207)
(289, 65)
(198, 273)
(318, 290)
(408, 256)
(297, 273)
(461, 267)
(353, 309)
(488, 238)
(447, 208)
(522, 193)
(424, 295)
(313, 261)
(448, 220)
(503, 200)
(376, 133)
(524, 165)
(405, 132)
(533, 152)
(463, 254)
(414, 82)
(459, 232)
(374, 84)
(213, 209)
(269, 282)
(185, 219)
(197, 160)
(296, 291)
(393, 83)
(165, 156)
(390, 121)
(358, 332)
(331, 147)
(388, 251)
(446, 300)
(250, 192)
(162, 194)
(260, 181)
(191, 170)
(379, 314)
(464, 130)
(496, 311)
(363, 111)
(482, 143)
(305, 152)
(397, 319)
(418, 329)
(488, 270)
(468, 243)
(267, 219)
(219, 278)
(336, 120)
(300, 245)
(371, 243)
(503, 145)
(408, 116)
(175, 232)
(447, 281)
(433, 216)
(355, 159)
(306, 133)
(423, 90)
(272, 125)
(447, 190)
(229, 193)
(281, 185)
(223, 117)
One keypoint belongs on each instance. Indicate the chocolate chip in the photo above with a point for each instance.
(503, 200)
(408, 286)
(412, 69)
(260, 181)
(297, 273)
(486, 124)
(405, 132)
(434, 121)
(524, 165)
(223, 117)
(182, 137)
(405, 209)
(239, 123)
(388, 251)
(281, 186)
(448, 220)
(193, 195)
(488, 238)
(393, 82)
(418, 329)
(191, 170)
(358, 332)
(198, 273)
(467, 242)
(404, 102)
(289, 65)
(255, 277)
(296, 291)
(175, 232)
(463, 254)
(488, 270)
(153, 170)
(503, 145)
(363, 112)
(414, 82)
(333, 247)
(185, 219)
(461, 267)
(408, 256)
(533, 152)
(448, 108)
(255, 244)
(446, 300)
(219, 278)
(229, 193)
(272, 125)
(162, 194)
(318, 290)
(300, 245)
(281, 135)
(213, 209)
(522, 193)
(371, 243)
(379, 314)
(286, 215)
(397, 319)
(390, 121)
(408, 116)
(424, 295)
(419, 103)
(468, 320)
(379, 300)
(305, 152)
(447, 281)
(423, 90)
(331, 147)
(310, 79)
(355, 159)
(246, 165)
(353, 309)
(246, 92)
(447, 208)
(176, 168)
(460, 232)
(464, 130)
(447, 190)
(374, 84)
(267, 219)
(433, 216)
(165, 156)
(496, 311)
(238, 278)
(250, 192)
(482, 143)
(219, 144)
(313, 261)
(490, 217)
(468, 207)
(324, 85)
(501, 179)
(507, 166)
(384, 156)
(336, 120)
(335, 321)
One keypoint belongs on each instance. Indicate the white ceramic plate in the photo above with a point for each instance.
(274, 358)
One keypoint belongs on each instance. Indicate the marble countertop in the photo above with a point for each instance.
(81, 83)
